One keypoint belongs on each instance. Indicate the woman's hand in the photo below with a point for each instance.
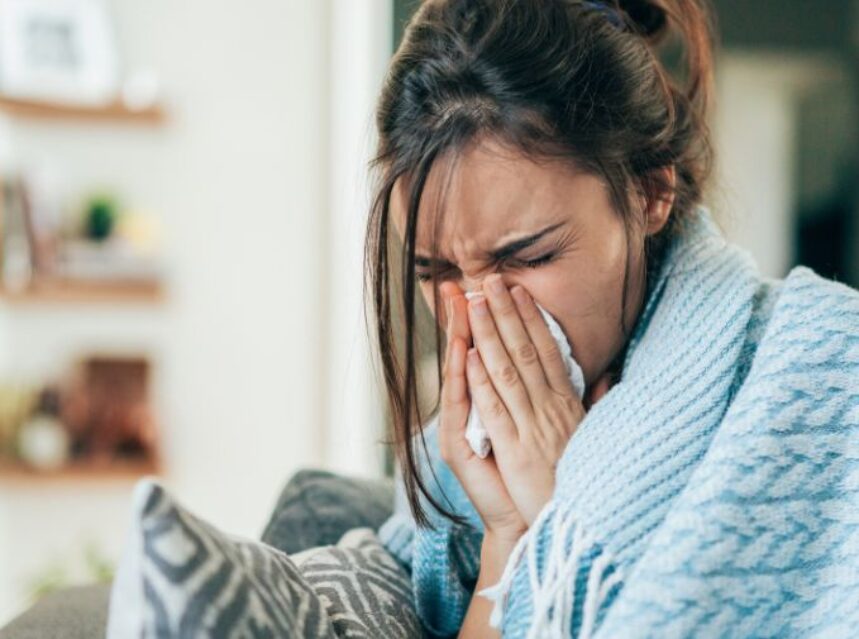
(517, 378)
(480, 478)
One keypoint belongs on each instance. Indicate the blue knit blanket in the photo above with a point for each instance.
(712, 492)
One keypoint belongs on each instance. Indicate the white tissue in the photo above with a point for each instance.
(475, 431)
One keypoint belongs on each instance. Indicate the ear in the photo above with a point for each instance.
(659, 202)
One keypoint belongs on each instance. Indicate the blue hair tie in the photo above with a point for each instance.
(607, 11)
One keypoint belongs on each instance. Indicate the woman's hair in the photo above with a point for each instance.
(552, 79)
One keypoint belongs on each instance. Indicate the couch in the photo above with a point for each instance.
(315, 508)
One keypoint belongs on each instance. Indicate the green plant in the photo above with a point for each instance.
(100, 217)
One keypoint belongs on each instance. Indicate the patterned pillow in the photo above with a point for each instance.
(181, 577)
(366, 591)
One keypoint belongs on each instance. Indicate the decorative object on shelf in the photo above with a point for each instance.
(17, 264)
(40, 195)
(97, 418)
(43, 440)
(99, 248)
(110, 242)
(17, 403)
(100, 216)
(58, 51)
(108, 411)
(17, 246)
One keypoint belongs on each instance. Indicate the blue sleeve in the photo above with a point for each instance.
(444, 563)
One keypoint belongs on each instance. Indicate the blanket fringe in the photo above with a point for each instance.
(554, 597)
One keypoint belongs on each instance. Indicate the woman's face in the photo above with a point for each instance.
(545, 226)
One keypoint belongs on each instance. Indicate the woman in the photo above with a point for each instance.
(538, 151)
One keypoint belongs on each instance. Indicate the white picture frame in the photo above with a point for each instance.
(58, 51)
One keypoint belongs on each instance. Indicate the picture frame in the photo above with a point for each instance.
(58, 51)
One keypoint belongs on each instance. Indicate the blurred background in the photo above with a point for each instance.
(182, 212)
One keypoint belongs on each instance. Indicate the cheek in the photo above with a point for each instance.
(583, 292)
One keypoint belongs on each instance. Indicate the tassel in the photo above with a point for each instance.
(554, 596)
(598, 588)
(498, 593)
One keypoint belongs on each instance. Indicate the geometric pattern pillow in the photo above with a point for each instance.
(366, 591)
(181, 577)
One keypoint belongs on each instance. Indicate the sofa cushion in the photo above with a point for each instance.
(79, 612)
(180, 576)
(317, 507)
(366, 592)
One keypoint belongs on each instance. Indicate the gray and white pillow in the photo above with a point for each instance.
(181, 577)
(367, 593)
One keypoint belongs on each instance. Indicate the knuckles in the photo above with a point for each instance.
(551, 354)
(507, 311)
(496, 409)
(526, 353)
(508, 375)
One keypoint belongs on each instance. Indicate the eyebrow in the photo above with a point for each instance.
(505, 251)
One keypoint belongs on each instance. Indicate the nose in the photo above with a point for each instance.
(474, 282)
(470, 284)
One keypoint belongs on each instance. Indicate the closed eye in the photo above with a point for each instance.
(536, 262)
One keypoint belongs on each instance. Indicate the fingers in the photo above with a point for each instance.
(456, 317)
(501, 370)
(446, 291)
(493, 413)
(455, 403)
(547, 348)
(454, 400)
(515, 337)
(455, 306)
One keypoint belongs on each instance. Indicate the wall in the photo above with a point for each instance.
(756, 132)
(238, 176)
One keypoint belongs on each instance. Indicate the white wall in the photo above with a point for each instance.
(245, 177)
(360, 50)
(239, 177)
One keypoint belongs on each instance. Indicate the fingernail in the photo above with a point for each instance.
(478, 305)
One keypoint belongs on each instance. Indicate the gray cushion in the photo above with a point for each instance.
(317, 507)
(70, 613)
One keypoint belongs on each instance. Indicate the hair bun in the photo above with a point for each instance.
(649, 17)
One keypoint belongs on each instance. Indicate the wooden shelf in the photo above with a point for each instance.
(75, 291)
(113, 112)
(117, 470)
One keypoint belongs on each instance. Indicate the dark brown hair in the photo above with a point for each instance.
(568, 79)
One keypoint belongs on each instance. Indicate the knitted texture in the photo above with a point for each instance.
(712, 492)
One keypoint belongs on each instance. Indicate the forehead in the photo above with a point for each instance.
(489, 193)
